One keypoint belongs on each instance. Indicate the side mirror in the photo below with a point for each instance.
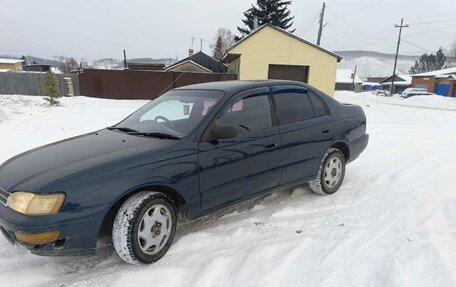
(223, 132)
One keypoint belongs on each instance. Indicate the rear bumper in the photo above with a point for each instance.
(77, 235)
(357, 146)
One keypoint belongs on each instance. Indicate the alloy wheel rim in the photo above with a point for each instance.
(154, 229)
(332, 172)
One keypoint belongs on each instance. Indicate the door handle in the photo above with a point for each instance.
(325, 131)
(271, 145)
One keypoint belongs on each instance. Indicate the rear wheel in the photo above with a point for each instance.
(331, 173)
(144, 228)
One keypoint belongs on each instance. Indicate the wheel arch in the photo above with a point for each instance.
(343, 147)
(177, 200)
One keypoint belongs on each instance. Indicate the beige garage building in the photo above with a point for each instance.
(273, 53)
(11, 65)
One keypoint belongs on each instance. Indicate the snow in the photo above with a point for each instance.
(345, 76)
(392, 223)
(446, 71)
(371, 66)
(10, 61)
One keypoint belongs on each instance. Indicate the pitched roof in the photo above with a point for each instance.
(10, 61)
(447, 71)
(339, 58)
(185, 62)
(204, 60)
(403, 80)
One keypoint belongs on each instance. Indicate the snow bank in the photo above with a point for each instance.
(393, 222)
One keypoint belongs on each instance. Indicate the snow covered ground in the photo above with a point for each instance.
(392, 223)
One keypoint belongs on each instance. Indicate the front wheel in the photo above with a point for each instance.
(331, 173)
(144, 228)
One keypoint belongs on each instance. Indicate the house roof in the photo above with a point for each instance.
(447, 71)
(400, 80)
(185, 62)
(339, 58)
(345, 76)
(10, 61)
(203, 60)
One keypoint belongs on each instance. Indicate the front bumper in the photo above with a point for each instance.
(77, 230)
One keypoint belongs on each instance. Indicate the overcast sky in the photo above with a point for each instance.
(94, 29)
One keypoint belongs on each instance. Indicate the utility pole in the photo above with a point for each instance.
(397, 52)
(354, 76)
(320, 29)
(201, 48)
(125, 59)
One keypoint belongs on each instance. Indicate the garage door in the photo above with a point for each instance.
(442, 89)
(289, 72)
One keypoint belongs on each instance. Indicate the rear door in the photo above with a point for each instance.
(231, 169)
(306, 130)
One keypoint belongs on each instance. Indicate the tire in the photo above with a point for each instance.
(144, 227)
(331, 173)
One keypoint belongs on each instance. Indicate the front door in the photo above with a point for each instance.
(232, 169)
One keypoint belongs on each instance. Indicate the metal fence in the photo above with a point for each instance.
(31, 83)
(130, 84)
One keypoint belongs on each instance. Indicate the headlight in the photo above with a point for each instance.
(35, 204)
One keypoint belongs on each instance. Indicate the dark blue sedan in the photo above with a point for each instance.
(190, 152)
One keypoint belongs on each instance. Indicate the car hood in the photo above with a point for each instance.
(34, 169)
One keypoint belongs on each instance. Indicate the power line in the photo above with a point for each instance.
(306, 24)
(430, 16)
(309, 25)
(364, 7)
(350, 25)
(416, 46)
(434, 22)
(431, 30)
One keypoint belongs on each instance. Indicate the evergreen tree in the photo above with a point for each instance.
(50, 89)
(218, 53)
(429, 62)
(222, 41)
(274, 12)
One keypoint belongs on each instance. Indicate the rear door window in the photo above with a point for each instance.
(293, 104)
(319, 107)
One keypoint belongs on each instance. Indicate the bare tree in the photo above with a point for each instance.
(222, 41)
(451, 55)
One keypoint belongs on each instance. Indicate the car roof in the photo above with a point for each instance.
(231, 87)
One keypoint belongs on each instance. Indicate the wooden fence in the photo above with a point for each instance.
(131, 84)
(30, 83)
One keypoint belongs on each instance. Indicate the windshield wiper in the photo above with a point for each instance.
(156, 135)
(123, 129)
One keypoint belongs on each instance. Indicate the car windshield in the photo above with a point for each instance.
(174, 113)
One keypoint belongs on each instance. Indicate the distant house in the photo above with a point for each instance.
(273, 53)
(346, 80)
(401, 82)
(37, 68)
(199, 62)
(13, 65)
(441, 82)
